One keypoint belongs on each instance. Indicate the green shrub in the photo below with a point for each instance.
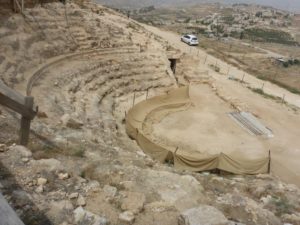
(291, 61)
(286, 64)
(269, 35)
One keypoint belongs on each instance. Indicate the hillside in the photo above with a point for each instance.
(86, 66)
(290, 5)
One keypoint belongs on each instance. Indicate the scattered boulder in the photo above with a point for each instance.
(57, 207)
(159, 206)
(25, 160)
(127, 185)
(22, 197)
(39, 189)
(71, 122)
(292, 218)
(41, 181)
(51, 165)
(80, 201)
(82, 216)
(183, 192)
(3, 148)
(73, 195)
(202, 215)
(92, 186)
(42, 115)
(59, 211)
(63, 176)
(133, 201)
(110, 191)
(21, 151)
(245, 210)
(126, 217)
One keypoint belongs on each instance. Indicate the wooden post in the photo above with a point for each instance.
(22, 6)
(25, 123)
(205, 59)
(133, 99)
(147, 93)
(262, 87)
(176, 150)
(14, 6)
(269, 164)
(243, 78)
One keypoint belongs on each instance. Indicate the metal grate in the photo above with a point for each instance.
(251, 124)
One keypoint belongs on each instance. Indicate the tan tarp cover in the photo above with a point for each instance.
(184, 158)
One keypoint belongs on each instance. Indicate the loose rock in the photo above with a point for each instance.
(3, 148)
(81, 201)
(73, 195)
(82, 216)
(41, 181)
(202, 215)
(39, 189)
(110, 191)
(63, 176)
(133, 202)
(71, 122)
(127, 217)
(20, 150)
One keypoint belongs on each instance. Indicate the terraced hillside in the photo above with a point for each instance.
(56, 29)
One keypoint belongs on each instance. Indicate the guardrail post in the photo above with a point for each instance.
(25, 122)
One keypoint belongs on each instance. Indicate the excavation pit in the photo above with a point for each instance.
(190, 126)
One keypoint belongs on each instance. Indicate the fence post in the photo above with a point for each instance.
(133, 99)
(243, 78)
(269, 164)
(147, 93)
(25, 123)
(22, 6)
(176, 150)
(205, 59)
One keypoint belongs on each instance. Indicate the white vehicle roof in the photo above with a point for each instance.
(191, 35)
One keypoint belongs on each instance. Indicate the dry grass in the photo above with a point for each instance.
(255, 62)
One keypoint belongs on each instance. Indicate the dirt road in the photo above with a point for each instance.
(226, 69)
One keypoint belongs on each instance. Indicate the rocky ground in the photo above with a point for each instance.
(89, 64)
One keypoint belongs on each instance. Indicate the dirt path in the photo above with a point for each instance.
(226, 69)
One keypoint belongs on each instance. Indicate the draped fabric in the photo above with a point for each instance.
(139, 116)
